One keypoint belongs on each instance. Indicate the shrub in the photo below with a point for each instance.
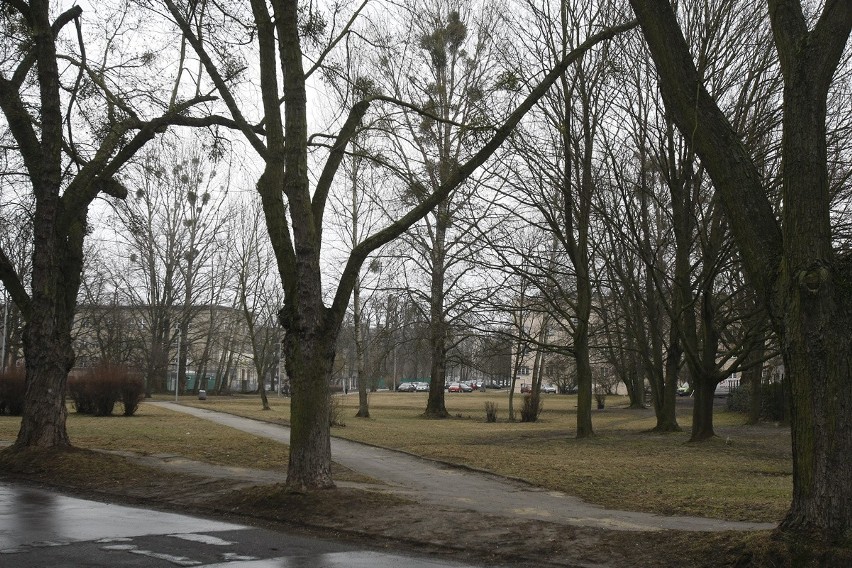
(97, 391)
(600, 395)
(131, 392)
(530, 409)
(491, 411)
(774, 401)
(13, 386)
(335, 412)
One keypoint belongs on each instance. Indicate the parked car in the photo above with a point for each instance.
(454, 387)
(465, 387)
(548, 388)
(493, 385)
(684, 390)
(526, 388)
(421, 387)
(406, 387)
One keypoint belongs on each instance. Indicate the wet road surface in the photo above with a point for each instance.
(44, 529)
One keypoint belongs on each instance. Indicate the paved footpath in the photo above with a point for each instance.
(432, 482)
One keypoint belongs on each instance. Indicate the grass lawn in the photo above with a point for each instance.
(744, 474)
(156, 431)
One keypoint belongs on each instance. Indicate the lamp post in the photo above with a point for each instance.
(177, 364)
(5, 323)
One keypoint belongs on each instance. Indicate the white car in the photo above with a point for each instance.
(549, 388)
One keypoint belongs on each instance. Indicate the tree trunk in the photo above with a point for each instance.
(363, 407)
(634, 383)
(817, 356)
(49, 358)
(264, 400)
(752, 380)
(702, 413)
(584, 388)
(660, 374)
(308, 362)
(57, 263)
(435, 406)
(817, 316)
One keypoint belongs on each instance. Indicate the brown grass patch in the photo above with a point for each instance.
(743, 474)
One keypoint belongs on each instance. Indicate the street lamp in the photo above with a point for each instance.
(177, 363)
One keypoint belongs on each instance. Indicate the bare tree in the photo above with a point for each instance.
(794, 265)
(73, 132)
(170, 223)
(446, 65)
(258, 293)
(294, 212)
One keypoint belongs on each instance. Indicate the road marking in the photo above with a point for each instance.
(203, 538)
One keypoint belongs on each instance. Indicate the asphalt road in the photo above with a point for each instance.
(41, 529)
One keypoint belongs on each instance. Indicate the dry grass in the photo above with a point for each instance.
(154, 431)
(744, 474)
(157, 431)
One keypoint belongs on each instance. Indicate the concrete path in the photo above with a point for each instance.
(432, 482)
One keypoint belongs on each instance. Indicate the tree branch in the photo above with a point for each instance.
(335, 41)
(335, 158)
(65, 17)
(349, 129)
(361, 251)
(21, 7)
(97, 175)
(21, 126)
(722, 152)
(217, 79)
(830, 36)
(13, 284)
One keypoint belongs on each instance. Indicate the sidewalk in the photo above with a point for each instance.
(434, 483)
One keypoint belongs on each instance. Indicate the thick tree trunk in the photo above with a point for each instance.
(817, 355)
(435, 406)
(309, 365)
(584, 388)
(702, 412)
(49, 358)
(817, 317)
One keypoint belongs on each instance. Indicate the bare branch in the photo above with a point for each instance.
(22, 8)
(218, 80)
(335, 41)
(13, 284)
(65, 17)
(360, 252)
